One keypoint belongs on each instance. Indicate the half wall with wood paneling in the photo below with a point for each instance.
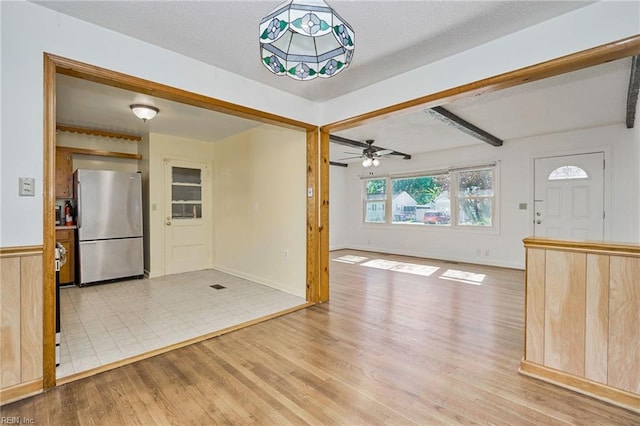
(582, 328)
(20, 322)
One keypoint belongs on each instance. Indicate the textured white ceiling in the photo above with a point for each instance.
(392, 37)
(590, 97)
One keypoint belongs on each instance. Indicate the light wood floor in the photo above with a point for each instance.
(391, 347)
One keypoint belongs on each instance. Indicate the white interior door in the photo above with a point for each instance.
(569, 197)
(188, 216)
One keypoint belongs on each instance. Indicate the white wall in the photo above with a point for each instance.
(515, 159)
(338, 230)
(259, 229)
(27, 30)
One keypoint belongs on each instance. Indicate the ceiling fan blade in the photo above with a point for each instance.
(382, 152)
(352, 153)
(348, 158)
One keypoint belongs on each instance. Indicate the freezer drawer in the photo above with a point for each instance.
(110, 259)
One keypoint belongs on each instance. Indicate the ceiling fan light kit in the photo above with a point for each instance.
(305, 39)
(144, 112)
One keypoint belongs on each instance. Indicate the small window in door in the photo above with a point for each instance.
(568, 172)
(186, 193)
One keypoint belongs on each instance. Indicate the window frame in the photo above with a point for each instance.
(454, 198)
(366, 202)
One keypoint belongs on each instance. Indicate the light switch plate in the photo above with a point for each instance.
(27, 187)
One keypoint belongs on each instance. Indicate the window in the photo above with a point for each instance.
(375, 200)
(421, 199)
(186, 193)
(455, 198)
(475, 197)
(568, 172)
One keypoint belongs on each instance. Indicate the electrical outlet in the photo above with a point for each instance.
(486, 252)
(286, 254)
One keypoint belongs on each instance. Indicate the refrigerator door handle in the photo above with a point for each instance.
(78, 206)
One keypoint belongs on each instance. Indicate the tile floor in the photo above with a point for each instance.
(108, 322)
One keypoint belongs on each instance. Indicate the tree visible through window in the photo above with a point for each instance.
(375, 200)
(421, 199)
(463, 197)
(475, 198)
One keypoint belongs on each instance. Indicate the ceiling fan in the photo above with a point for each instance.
(371, 154)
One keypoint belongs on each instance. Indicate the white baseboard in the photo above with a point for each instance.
(261, 280)
(461, 259)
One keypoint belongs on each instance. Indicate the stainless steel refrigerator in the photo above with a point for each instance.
(109, 219)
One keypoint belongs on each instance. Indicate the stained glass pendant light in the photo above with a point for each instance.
(304, 39)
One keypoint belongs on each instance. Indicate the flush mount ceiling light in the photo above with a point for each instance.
(304, 39)
(144, 112)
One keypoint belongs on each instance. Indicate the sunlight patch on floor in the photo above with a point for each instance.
(407, 268)
(463, 277)
(350, 259)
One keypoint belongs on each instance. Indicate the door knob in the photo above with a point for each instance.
(538, 213)
(538, 221)
(168, 223)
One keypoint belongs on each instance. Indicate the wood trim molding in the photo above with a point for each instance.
(21, 251)
(96, 132)
(313, 264)
(323, 243)
(55, 64)
(49, 233)
(99, 153)
(20, 391)
(595, 247)
(581, 385)
(572, 62)
(96, 74)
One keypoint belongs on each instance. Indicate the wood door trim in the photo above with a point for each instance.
(54, 64)
(120, 80)
(572, 62)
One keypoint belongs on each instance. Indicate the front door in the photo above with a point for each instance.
(187, 216)
(569, 197)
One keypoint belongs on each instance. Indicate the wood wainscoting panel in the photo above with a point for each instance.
(31, 318)
(597, 319)
(10, 321)
(534, 339)
(564, 342)
(624, 324)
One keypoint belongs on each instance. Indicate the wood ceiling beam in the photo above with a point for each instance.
(356, 144)
(464, 126)
(632, 94)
